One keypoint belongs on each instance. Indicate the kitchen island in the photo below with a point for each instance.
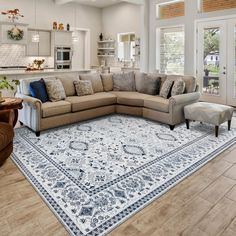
(19, 73)
(22, 74)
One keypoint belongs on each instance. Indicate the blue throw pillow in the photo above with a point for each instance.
(38, 90)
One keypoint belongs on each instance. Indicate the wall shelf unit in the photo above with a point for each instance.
(106, 51)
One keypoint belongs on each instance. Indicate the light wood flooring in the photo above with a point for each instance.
(203, 204)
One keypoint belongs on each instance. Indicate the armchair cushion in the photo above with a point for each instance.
(6, 141)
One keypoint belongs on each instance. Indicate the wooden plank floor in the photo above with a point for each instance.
(204, 204)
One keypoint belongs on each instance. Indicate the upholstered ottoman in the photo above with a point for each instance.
(211, 113)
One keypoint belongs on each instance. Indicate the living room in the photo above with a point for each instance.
(118, 117)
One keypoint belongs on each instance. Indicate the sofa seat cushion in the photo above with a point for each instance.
(130, 98)
(55, 108)
(91, 101)
(157, 103)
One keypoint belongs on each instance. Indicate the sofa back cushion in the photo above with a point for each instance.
(190, 83)
(96, 81)
(83, 87)
(147, 83)
(24, 84)
(107, 82)
(123, 81)
(68, 84)
(38, 90)
(55, 90)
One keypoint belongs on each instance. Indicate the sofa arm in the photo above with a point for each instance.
(187, 98)
(32, 102)
(177, 104)
(31, 113)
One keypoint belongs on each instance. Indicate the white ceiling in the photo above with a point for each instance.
(97, 3)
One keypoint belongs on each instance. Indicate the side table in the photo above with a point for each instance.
(10, 106)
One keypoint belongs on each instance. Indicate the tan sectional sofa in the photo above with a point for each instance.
(41, 116)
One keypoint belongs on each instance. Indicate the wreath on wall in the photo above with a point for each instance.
(15, 34)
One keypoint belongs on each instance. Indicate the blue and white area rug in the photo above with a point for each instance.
(98, 173)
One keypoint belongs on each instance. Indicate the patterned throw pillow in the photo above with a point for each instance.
(166, 88)
(83, 87)
(55, 90)
(123, 81)
(178, 87)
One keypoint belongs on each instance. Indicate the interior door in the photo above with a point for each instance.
(212, 60)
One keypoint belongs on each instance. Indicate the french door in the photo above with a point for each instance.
(216, 60)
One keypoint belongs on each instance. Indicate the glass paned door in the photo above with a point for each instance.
(231, 63)
(211, 60)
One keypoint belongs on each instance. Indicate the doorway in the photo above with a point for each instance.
(216, 60)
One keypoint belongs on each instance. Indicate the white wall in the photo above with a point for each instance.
(121, 18)
(78, 59)
(48, 11)
(191, 15)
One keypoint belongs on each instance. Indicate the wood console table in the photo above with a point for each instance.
(9, 109)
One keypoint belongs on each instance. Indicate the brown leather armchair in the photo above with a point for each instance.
(6, 136)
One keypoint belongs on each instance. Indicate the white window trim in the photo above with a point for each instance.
(158, 43)
(158, 5)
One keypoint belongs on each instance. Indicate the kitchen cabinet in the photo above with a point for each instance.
(62, 38)
(43, 47)
(6, 26)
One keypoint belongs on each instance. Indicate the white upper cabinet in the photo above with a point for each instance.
(44, 43)
(11, 33)
(62, 38)
(43, 47)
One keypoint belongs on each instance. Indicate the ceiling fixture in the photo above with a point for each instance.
(75, 37)
(35, 36)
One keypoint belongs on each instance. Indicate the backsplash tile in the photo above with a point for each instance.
(14, 55)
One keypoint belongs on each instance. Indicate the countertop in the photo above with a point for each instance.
(45, 71)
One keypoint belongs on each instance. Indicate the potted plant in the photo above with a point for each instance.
(206, 72)
(7, 84)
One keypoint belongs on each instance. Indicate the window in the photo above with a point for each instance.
(170, 50)
(171, 9)
(216, 5)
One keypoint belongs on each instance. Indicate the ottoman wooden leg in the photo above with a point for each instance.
(229, 124)
(216, 130)
(187, 123)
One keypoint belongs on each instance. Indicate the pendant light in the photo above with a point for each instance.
(35, 36)
(75, 33)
